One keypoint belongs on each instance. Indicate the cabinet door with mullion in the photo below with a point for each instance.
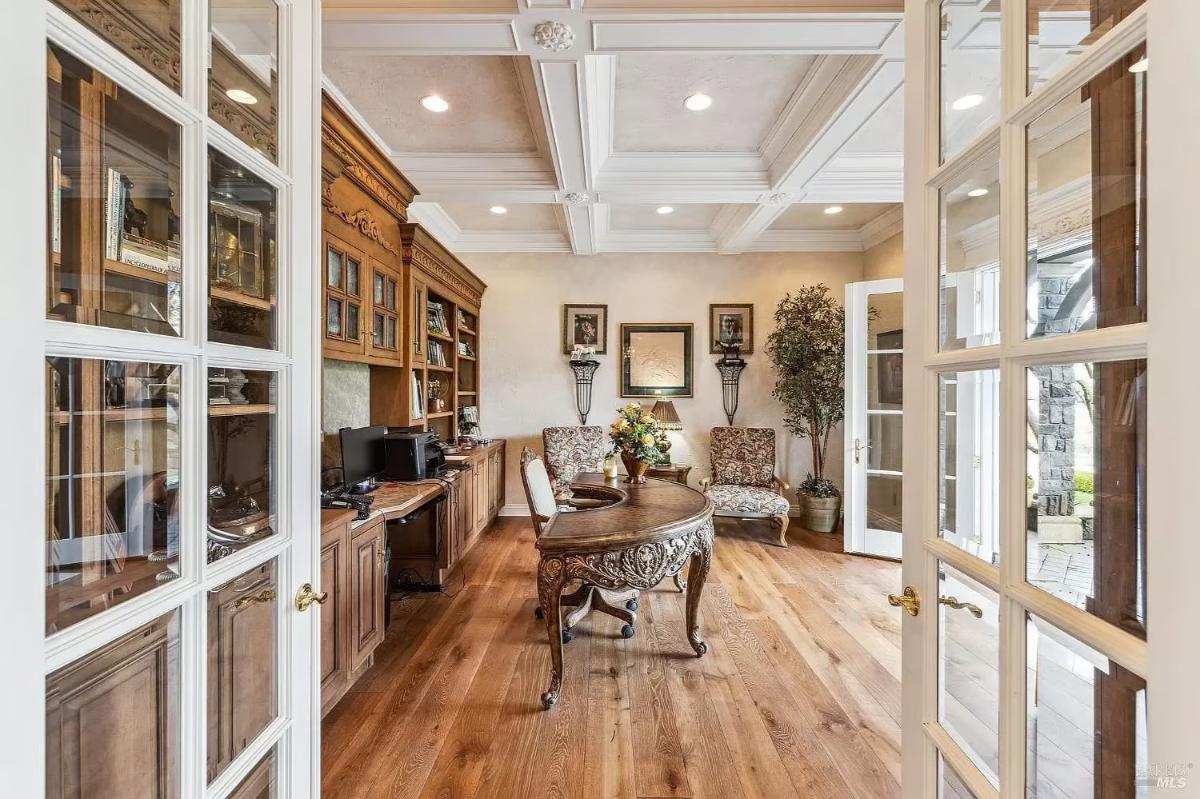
(384, 341)
(343, 316)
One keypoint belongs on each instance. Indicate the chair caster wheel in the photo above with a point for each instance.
(631, 606)
(566, 636)
(539, 614)
(548, 700)
(627, 631)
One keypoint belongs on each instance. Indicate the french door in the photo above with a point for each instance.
(1049, 557)
(874, 416)
(160, 353)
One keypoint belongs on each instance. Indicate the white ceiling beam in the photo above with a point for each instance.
(434, 218)
(582, 222)
(738, 227)
(814, 34)
(385, 33)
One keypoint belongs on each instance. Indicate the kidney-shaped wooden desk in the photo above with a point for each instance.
(649, 532)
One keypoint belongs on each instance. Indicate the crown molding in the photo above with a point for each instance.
(807, 241)
(882, 227)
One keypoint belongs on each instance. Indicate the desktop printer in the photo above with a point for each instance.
(409, 457)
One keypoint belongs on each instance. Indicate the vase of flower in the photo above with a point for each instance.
(635, 468)
(638, 439)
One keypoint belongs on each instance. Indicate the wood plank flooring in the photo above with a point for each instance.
(798, 696)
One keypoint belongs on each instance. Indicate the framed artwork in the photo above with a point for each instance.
(585, 326)
(731, 323)
(656, 360)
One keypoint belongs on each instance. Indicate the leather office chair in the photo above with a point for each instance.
(543, 507)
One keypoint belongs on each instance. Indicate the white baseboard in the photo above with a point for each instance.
(515, 510)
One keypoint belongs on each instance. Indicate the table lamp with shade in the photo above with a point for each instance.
(668, 419)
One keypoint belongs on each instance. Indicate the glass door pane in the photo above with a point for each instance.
(243, 81)
(112, 482)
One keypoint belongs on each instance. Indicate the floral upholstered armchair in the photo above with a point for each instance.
(743, 482)
(571, 450)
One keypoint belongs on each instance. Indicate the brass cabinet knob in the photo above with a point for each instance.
(952, 601)
(909, 600)
(306, 596)
(246, 601)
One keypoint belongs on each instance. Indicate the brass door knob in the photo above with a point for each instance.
(306, 596)
(909, 600)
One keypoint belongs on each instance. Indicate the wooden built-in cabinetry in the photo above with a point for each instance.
(394, 297)
(353, 574)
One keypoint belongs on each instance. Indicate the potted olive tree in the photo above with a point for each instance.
(808, 349)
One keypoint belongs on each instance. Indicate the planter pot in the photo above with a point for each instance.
(635, 468)
(819, 514)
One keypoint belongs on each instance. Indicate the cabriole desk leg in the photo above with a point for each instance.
(551, 578)
(697, 574)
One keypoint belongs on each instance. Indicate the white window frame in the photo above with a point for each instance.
(1169, 657)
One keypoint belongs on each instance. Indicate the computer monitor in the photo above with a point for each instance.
(362, 453)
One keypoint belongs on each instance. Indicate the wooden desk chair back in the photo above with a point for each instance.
(539, 493)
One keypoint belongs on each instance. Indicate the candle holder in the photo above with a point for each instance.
(730, 366)
(584, 369)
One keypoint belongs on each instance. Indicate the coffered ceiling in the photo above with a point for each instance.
(567, 130)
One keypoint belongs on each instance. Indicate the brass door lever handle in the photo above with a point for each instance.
(909, 600)
(952, 601)
(306, 596)
(246, 601)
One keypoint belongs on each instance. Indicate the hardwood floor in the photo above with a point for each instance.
(798, 696)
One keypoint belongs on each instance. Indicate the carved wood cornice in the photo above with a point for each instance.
(157, 50)
(362, 163)
(362, 220)
(426, 254)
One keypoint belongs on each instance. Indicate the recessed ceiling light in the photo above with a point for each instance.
(435, 104)
(665, 209)
(834, 209)
(241, 96)
(967, 101)
(697, 102)
(977, 192)
(498, 209)
(1141, 65)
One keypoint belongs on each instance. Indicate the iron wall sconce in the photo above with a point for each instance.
(584, 370)
(730, 366)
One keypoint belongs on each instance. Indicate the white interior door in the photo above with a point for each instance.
(162, 333)
(874, 417)
(1047, 312)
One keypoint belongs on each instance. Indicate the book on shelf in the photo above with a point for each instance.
(137, 251)
(114, 213)
(56, 204)
(418, 406)
(437, 354)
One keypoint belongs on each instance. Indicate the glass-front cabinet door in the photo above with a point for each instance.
(1030, 540)
(177, 379)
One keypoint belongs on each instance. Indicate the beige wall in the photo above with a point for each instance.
(527, 385)
(885, 259)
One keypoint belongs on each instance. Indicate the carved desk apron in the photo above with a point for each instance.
(648, 533)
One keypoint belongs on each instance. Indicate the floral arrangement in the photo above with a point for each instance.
(637, 433)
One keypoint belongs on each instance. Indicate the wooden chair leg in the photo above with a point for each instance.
(782, 521)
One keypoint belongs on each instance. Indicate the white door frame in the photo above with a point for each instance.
(1168, 659)
(29, 654)
(860, 538)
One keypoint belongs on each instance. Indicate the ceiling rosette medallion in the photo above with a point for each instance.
(553, 36)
